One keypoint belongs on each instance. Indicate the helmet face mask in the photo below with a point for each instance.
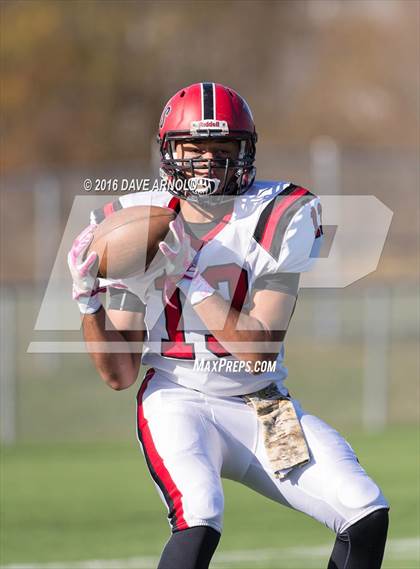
(207, 113)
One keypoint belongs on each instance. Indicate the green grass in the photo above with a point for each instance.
(66, 497)
(85, 501)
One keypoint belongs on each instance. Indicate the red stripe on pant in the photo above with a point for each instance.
(156, 465)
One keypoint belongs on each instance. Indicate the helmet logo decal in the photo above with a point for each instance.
(165, 113)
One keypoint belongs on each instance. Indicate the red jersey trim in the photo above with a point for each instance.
(275, 218)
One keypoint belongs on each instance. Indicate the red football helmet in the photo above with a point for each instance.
(207, 111)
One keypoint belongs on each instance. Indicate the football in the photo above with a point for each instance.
(127, 241)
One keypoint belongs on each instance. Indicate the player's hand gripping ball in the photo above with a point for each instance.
(84, 272)
(180, 257)
(180, 254)
(83, 265)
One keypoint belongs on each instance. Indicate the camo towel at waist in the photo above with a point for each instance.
(284, 440)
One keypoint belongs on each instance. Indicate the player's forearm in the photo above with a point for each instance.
(240, 334)
(119, 369)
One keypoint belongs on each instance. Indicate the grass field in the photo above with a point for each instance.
(72, 502)
(68, 499)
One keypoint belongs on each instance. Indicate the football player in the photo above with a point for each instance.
(213, 402)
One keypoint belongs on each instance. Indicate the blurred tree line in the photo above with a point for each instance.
(84, 81)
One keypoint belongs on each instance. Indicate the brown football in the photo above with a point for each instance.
(127, 241)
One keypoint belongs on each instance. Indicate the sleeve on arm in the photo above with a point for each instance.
(290, 230)
(302, 239)
(281, 282)
(98, 215)
(121, 299)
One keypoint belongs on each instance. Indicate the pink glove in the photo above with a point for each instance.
(180, 256)
(84, 273)
(181, 268)
(194, 286)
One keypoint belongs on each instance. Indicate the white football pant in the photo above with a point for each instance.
(191, 440)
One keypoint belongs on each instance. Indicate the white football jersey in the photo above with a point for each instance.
(275, 227)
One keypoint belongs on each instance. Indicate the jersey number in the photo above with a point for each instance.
(176, 346)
